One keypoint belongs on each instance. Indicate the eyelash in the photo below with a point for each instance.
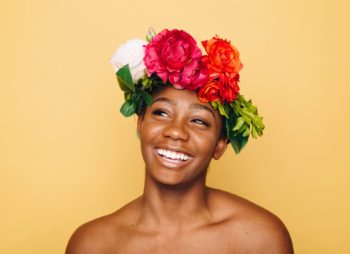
(160, 112)
(199, 121)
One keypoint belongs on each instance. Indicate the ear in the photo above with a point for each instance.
(220, 148)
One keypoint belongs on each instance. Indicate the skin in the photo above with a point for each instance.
(177, 212)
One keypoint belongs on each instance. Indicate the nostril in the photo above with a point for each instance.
(176, 131)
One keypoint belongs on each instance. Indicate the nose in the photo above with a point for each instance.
(177, 130)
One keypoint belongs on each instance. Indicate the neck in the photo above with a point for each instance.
(166, 205)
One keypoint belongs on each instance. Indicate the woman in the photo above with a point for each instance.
(188, 113)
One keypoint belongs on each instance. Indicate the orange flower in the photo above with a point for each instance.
(210, 91)
(222, 56)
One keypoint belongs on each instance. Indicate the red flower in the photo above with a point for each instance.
(230, 89)
(210, 91)
(222, 56)
(174, 56)
(224, 65)
(221, 88)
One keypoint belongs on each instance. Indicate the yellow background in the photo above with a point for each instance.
(67, 155)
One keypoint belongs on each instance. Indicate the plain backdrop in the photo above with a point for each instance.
(68, 156)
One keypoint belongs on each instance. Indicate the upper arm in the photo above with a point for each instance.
(285, 240)
(79, 242)
(273, 237)
(262, 232)
(252, 229)
(87, 239)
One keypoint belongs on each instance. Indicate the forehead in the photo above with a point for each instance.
(184, 99)
(179, 96)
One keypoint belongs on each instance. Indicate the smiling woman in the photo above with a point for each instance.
(189, 110)
(181, 133)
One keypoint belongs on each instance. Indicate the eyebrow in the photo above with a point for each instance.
(164, 99)
(202, 107)
(192, 106)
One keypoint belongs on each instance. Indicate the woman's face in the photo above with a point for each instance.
(179, 137)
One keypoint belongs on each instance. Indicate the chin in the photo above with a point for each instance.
(166, 177)
(174, 173)
(173, 179)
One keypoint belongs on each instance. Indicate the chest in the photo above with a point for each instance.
(203, 241)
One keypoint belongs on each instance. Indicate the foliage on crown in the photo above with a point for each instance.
(172, 57)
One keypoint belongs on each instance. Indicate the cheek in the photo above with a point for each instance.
(149, 133)
(146, 149)
(205, 144)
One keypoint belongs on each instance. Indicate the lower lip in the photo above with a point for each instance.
(170, 163)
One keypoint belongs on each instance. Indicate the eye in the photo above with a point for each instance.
(160, 112)
(201, 122)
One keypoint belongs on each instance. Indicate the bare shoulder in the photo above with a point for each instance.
(253, 227)
(103, 234)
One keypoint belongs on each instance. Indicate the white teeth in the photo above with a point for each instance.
(172, 155)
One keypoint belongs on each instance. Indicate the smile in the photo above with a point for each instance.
(172, 155)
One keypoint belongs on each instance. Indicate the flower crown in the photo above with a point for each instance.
(172, 57)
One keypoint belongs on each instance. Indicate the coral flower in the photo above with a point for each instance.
(222, 56)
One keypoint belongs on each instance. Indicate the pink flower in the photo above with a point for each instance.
(174, 56)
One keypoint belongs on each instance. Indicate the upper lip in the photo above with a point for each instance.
(175, 149)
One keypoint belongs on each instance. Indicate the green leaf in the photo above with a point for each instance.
(229, 127)
(252, 108)
(147, 97)
(259, 131)
(127, 95)
(258, 122)
(250, 115)
(214, 105)
(239, 124)
(254, 132)
(246, 118)
(238, 142)
(128, 108)
(246, 132)
(222, 110)
(146, 82)
(236, 146)
(125, 79)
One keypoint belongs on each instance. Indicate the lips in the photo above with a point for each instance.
(173, 155)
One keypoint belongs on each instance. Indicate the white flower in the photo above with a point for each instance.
(132, 53)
